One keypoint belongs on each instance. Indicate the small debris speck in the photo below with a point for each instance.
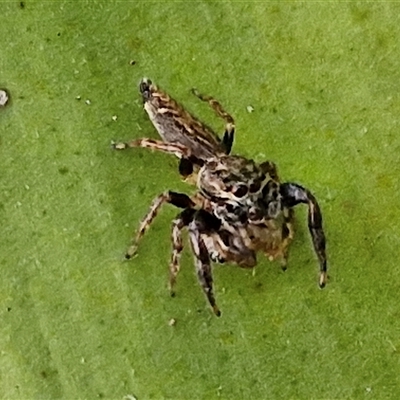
(114, 117)
(172, 322)
(250, 109)
(130, 397)
(132, 62)
(88, 102)
(78, 97)
(3, 97)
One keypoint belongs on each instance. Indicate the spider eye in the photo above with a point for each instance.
(255, 187)
(240, 191)
(229, 207)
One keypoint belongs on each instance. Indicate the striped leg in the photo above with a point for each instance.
(203, 265)
(229, 133)
(177, 199)
(180, 222)
(172, 148)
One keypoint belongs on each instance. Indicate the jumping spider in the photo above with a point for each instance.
(240, 208)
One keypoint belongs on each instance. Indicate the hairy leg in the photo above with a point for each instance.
(171, 148)
(294, 194)
(229, 133)
(203, 265)
(180, 222)
(177, 199)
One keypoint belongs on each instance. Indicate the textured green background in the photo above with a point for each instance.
(79, 323)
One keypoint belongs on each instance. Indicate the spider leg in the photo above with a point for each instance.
(172, 148)
(202, 262)
(179, 200)
(294, 194)
(229, 133)
(180, 222)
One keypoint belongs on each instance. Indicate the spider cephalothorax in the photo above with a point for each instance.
(240, 208)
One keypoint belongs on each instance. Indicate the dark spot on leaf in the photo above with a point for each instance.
(63, 170)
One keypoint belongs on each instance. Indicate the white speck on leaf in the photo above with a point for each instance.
(250, 109)
(3, 98)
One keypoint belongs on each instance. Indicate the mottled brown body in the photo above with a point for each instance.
(241, 207)
(175, 125)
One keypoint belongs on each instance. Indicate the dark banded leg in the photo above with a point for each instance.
(203, 264)
(294, 194)
(177, 199)
(227, 140)
(180, 222)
